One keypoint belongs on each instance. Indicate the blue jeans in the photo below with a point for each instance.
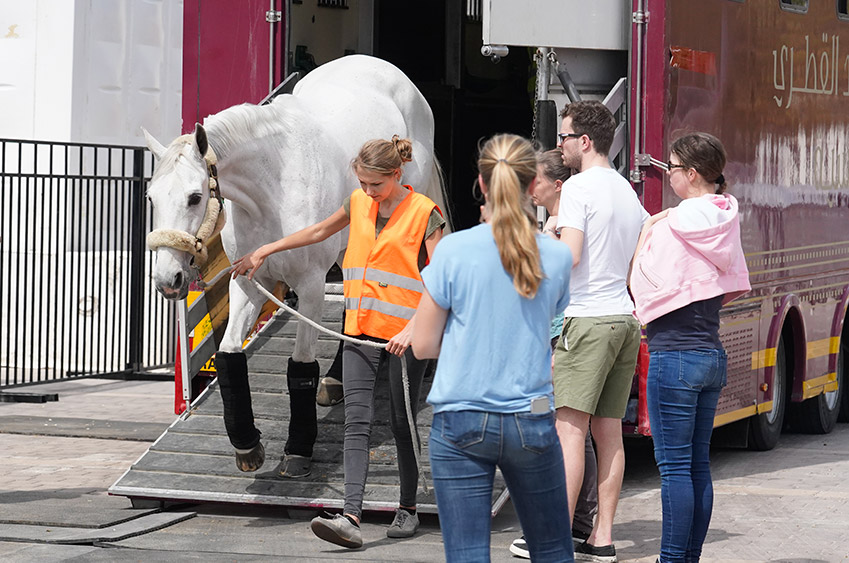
(682, 392)
(465, 448)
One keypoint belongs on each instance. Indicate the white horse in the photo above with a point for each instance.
(283, 167)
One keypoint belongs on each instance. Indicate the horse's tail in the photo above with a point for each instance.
(439, 191)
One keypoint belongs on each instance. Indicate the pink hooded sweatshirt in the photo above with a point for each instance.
(691, 255)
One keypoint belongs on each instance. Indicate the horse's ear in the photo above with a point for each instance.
(155, 146)
(200, 139)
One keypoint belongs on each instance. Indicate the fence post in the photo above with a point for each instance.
(138, 250)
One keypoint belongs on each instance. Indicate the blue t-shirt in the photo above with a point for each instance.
(496, 351)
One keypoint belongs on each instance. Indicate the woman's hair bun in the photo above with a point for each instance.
(404, 148)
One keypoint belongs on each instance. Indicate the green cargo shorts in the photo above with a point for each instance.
(594, 364)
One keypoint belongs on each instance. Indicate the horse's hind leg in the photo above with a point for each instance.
(330, 390)
(302, 380)
(232, 369)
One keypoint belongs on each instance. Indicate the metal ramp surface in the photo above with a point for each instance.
(193, 460)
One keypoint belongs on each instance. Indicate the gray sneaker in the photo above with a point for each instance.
(404, 525)
(338, 530)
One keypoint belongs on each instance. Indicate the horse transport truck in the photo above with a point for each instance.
(770, 78)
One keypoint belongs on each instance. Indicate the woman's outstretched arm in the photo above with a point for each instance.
(310, 235)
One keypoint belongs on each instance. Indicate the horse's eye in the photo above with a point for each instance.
(194, 199)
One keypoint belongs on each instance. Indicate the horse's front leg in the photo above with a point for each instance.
(231, 366)
(302, 380)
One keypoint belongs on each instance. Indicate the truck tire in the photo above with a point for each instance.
(765, 429)
(843, 389)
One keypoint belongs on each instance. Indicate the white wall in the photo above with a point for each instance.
(36, 46)
(90, 71)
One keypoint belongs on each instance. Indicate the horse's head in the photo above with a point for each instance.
(184, 214)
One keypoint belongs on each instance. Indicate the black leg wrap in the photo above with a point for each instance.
(232, 369)
(302, 379)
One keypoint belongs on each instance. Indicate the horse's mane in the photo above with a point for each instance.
(237, 125)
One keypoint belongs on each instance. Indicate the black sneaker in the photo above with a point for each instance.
(579, 537)
(519, 548)
(600, 554)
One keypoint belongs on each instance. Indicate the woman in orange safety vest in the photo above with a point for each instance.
(393, 231)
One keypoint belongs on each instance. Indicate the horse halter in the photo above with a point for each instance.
(213, 222)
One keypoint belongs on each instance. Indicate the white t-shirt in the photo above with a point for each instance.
(602, 204)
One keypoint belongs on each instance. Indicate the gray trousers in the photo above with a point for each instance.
(361, 366)
(587, 505)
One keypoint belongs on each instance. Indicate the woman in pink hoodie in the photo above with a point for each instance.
(689, 262)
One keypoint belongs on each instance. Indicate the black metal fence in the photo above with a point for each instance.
(75, 292)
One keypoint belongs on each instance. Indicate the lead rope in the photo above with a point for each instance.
(404, 377)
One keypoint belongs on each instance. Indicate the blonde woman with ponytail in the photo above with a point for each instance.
(490, 294)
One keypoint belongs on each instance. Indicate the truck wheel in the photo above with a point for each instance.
(842, 388)
(818, 415)
(765, 429)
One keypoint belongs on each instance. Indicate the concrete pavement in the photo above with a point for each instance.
(787, 505)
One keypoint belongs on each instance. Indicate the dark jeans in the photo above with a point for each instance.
(465, 448)
(361, 365)
(682, 392)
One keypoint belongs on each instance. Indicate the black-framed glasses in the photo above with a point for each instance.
(563, 136)
(666, 166)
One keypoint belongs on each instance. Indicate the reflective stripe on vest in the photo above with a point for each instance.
(384, 278)
(349, 274)
(372, 304)
(381, 278)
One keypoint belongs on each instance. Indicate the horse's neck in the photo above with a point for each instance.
(265, 153)
(247, 177)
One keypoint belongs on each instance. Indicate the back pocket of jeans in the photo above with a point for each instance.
(698, 369)
(464, 428)
(536, 431)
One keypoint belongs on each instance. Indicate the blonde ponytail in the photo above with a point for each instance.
(507, 165)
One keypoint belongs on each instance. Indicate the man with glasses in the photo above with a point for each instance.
(600, 219)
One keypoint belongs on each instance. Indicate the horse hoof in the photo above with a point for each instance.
(252, 459)
(295, 466)
(329, 392)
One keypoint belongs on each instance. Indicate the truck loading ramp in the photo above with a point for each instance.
(193, 460)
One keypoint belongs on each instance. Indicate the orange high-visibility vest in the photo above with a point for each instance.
(381, 279)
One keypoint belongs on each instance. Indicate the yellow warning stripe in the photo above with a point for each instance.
(823, 347)
(816, 349)
(739, 414)
(733, 416)
(763, 358)
(823, 384)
